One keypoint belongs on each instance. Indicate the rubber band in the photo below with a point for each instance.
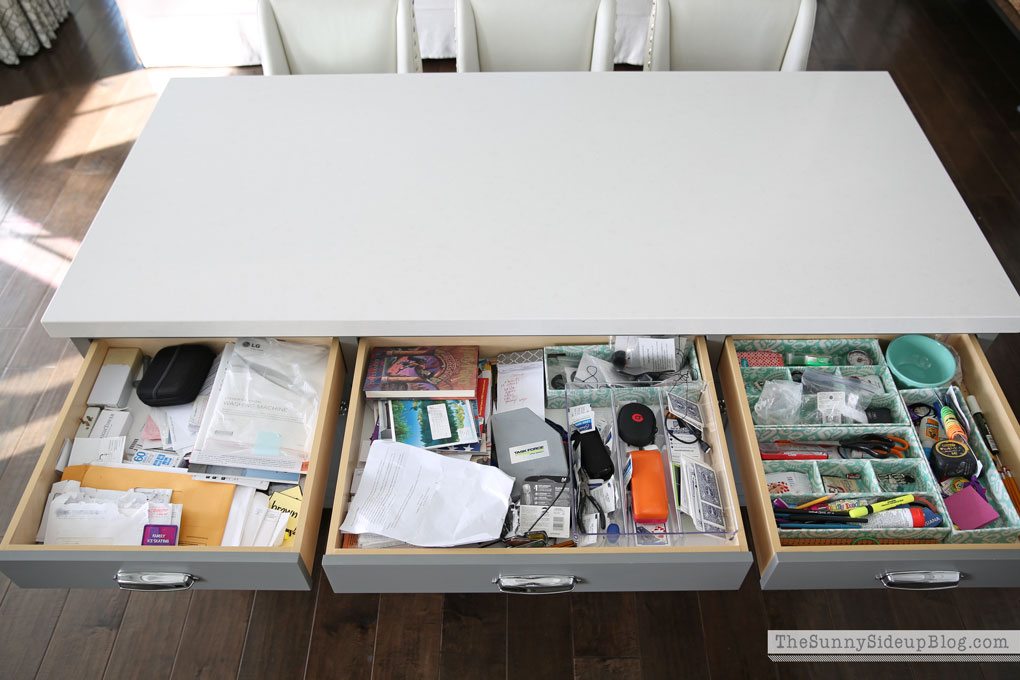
(865, 538)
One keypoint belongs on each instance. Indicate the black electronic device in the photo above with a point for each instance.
(595, 458)
(636, 424)
(175, 375)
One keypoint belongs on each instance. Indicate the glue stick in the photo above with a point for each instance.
(904, 518)
(928, 433)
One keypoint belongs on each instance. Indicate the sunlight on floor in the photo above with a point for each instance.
(27, 246)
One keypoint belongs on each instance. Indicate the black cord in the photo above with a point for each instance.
(920, 410)
(695, 432)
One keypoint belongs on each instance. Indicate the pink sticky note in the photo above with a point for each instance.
(969, 510)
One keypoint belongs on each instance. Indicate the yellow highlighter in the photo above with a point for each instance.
(881, 505)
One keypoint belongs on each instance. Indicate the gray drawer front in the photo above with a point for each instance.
(475, 573)
(993, 568)
(215, 571)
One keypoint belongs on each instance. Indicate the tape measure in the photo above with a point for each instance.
(950, 458)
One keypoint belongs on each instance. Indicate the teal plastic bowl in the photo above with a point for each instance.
(920, 361)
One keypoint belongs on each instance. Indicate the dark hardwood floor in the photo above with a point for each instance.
(67, 120)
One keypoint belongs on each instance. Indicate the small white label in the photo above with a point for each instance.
(582, 418)
(830, 405)
(520, 454)
(589, 529)
(604, 495)
(555, 522)
(439, 424)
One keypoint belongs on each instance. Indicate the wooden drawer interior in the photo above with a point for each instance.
(979, 381)
(490, 347)
(21, 533)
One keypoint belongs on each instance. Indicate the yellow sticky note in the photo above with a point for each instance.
(285, 501)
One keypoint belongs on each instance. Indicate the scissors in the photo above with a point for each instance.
(873, 446)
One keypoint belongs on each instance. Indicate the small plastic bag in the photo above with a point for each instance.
(779, 403)
(840, 399)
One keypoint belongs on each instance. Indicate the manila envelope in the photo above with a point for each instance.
(206, 504)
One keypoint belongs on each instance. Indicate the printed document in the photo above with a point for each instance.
(426, 499)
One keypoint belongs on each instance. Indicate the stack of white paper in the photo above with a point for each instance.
(427, 499)
(251, 522)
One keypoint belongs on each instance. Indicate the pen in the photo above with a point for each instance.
(843, 519)
(814, 502)
(821, 526)
(794, 456)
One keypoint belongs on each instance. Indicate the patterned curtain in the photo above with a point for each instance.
(26, 26)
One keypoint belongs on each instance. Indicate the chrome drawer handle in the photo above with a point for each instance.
(535, 585)
(920, 580)
(154, 580)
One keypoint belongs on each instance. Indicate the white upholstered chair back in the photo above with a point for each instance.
(730, 35)
(338, 36)
(535, 35)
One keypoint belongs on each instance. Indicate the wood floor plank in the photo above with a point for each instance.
(28, 617)
(84, 635)
(408, 636)
(932, 610)
(279, 631)
(9, 340)
(976, 63)
(829, 51)
(342, 622)
(805, 609)
(553, 658)
(474, 637)
(62, 148)
(991, 33)
(866, 610)
(213, 636)
(38, 134)
(990, 609)
(605, 625)
(936, 39)
(36, 348)
(597, 668)
(148, 635)
(670, 636)
(732, 623)
(280, 627)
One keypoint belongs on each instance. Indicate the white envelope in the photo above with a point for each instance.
(79, 520)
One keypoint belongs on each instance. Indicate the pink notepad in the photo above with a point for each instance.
(969, 510)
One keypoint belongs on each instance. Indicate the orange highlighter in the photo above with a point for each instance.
(648, 487)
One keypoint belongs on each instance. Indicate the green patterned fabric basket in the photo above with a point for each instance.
(1006, 528)
(939, 534)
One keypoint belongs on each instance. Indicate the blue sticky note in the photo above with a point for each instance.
(268, 443)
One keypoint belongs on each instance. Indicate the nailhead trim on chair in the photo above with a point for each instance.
(651, 32)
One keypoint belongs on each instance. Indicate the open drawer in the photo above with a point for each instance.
(693, 562)
(282, 568)
(982, 558)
